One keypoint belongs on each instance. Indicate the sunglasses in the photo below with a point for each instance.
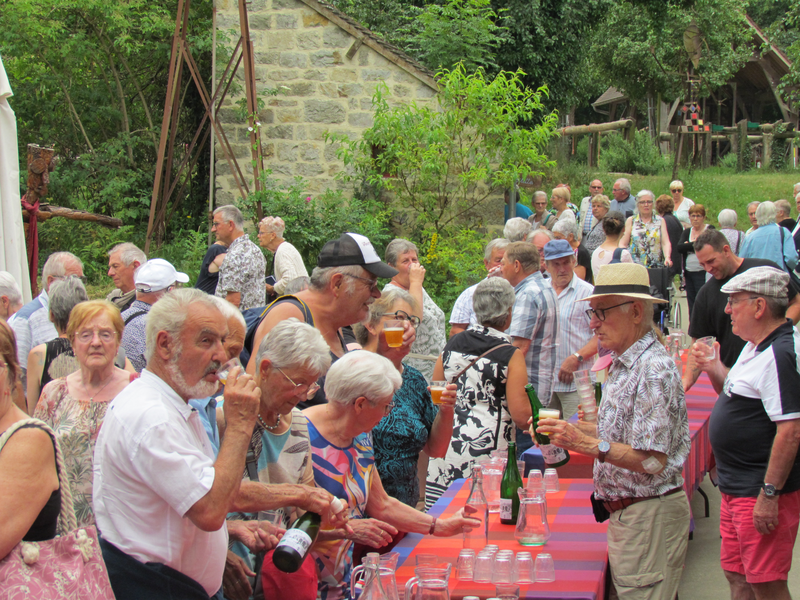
(676, 190)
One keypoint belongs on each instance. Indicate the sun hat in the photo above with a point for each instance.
(354, 249)
(157, 274)
(557, 249)
(764, 281)
(623, 279)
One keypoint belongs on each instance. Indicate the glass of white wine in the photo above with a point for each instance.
(224, 370)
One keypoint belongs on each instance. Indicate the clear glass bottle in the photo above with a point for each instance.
(373, 587)
(477, 507)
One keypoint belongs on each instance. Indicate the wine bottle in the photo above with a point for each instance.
(511, 482)
(598, 392)
(553, 455)
(477, 508)
(291, 551)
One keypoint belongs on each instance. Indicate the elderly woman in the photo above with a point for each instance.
(596, 236)
(402, 255)
(752, 207)
(681, 202)
(541, 217)
(646, 234)
(517, 229)
(613, 227)
(694, 274)
(490, 375)
(288, 264)
(564, 230)
(30, 494)
(770, 240)
(360, 388)
(75, 406)
(559, 198)
(727, 219)
(415, 424)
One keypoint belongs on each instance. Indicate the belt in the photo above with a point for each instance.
(623, 503)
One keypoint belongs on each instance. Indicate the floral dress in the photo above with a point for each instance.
(482, 421)
(645, 244)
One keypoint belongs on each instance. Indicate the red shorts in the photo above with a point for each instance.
(760, 558)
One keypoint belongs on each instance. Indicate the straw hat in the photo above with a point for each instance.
(623, 279)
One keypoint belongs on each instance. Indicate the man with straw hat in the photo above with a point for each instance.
(640, 440)
(755, 432)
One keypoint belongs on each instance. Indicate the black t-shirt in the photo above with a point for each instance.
(709, 318)
(208, 281)
(674, 231)
(585, 260)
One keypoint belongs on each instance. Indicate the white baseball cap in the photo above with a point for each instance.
(157, 274)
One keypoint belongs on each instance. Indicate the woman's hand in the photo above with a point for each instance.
(371, 532)
(416, 274)
(234, 578)
(318, 500)
(668, 262)
(458, 523)
(448, 398)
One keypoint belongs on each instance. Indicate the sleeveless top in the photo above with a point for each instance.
(645, 243)
(59, 360)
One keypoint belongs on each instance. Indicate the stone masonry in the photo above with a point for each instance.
(325, 67)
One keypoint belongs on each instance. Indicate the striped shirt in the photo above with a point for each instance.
(535, 317)
(32, 326)
(573, 330)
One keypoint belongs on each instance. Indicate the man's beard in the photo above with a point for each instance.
(201, 389)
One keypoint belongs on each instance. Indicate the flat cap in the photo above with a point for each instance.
(764, 281)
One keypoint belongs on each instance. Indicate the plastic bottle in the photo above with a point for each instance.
(477, 507)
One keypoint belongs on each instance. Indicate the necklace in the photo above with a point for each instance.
(268, 427)
(85, 389)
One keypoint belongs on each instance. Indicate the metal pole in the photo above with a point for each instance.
(212, 183)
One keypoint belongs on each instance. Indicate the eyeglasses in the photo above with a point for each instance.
(696, 216)
(388, 408)
(676, 190)
(301, 388)
(372, 283)
(596, 187)
(732, 302)
(645, 202)
(402, 315)
(87, 335)
(600, 313)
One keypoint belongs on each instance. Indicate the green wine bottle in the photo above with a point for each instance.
(598, 392)
(511, 482)
(553, 455)
(291, 551)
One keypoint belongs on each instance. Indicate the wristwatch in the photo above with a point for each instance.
(770, 491)
(578, 356)
(602, 448)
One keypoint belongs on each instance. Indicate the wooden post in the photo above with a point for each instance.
(594, 149)
(766, 157)
(707, 149)
(741, 126)
(630, 132)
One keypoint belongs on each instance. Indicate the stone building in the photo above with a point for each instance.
(325, 67)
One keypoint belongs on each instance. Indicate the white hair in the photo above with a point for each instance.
(169, 314)
(537, 194)
(766, 213)
(64, 295)
(491, 301)
(545, 232)
(129, 253)
(321, 277)
(292, 343)
(624, 184)
(361, 373)
(796, 189)
(229, 311)
(495, 244)
(9, 288)
(273, 225)
(783, 207)
(57, 263)
(396, 248)
(645, 193)
(517, 229)
(727, 218)
(565, 228)
(230, 213)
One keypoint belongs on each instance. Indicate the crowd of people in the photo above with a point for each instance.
(186, 417)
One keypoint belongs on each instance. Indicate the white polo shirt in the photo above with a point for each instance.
(152, 463)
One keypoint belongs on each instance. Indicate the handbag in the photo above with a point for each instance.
(68, 566)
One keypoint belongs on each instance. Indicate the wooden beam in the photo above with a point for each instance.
(596, 127)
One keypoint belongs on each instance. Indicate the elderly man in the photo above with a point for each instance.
(534, 321)
(640, 440)
(287, 264)
(783, 216)
(341, 288)
(541, 217)
(463, 315)
(623, 201)
(123, 261)
(516, 229)
(160, 497)
(568, 231)
(709, 316)
(10, 296)
(152, 281)
(754, 431)
(587, 220)
(770, 241)
(540, 237)
(576, 343)
(751, 214)
(241, 275)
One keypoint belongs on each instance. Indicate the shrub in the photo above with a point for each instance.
(642, 156)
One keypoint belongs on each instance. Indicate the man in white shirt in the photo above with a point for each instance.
(160, 498)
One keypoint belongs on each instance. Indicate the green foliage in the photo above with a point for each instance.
(393, 19)
(445, 164)
(620, 156)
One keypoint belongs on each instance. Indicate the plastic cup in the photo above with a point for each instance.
(437, 387)
(535, 480)
(708, 341)
(225, 370)
(507, 591)
(491, 548)
(503, 568)
(393, 331)
(523, 568)
(521, 467)
(484, 565)
(544, 568)
(465, 565)
(551, 481)
(275, 517)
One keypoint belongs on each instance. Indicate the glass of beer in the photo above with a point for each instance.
(548, 413)
(393, 330)
(437, 387)
(224, 370)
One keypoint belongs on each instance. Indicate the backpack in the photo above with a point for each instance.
(254, 316)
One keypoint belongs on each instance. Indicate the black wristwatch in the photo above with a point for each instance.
(770, 491)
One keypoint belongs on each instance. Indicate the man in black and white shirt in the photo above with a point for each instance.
(242, 274)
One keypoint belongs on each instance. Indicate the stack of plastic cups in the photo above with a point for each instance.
(551, 481)
(583, 383)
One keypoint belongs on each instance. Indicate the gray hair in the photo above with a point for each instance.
(624, 184)
(766, 213)
(527, 255)
(784, 207)
(602, 199)
(398, 247)
(64, 295)
(57, 263)
(645, 193)
(230, 213)
(517, 229)
(228, 310)
(777, 305)
(537, 194)
(379, 307)
(298, 284)
(321, 276)
(361, 373)
(796, 188)
(129, 253)
(495, 244)
(169, 314)
(753, 203)
(292, 343)
(491, 301)
(9, 288)
(727, 218)
(545, 232)
(273, 225)
(565, 228)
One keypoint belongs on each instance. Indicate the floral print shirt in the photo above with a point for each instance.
(243, 271)
(645, 243)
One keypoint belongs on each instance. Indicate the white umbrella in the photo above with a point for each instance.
(13, 253)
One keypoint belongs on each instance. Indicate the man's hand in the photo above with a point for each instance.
(456, 524)
(270, 289)
(234, 579)
(495, 272)
(561, 433)
(242, 400)
(765, 514)
(568, 367)
(371, 532)
(416, 274)
(257, 536)
(318, 500)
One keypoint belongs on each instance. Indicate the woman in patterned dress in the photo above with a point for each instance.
(646, 234)
(360, 388)
(402, 255)
(490, 375)
(74, 406)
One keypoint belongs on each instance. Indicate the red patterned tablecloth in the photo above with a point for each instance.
(578, 545)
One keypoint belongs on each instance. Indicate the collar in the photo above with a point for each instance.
(632, 354)
(140, 305)
(44, 298)
(571, 286)
(237, 241)
(490, 331)
(170, 396)
(524, 282)
(204, 402)
(785, 328)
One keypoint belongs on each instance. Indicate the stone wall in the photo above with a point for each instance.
(303, 54)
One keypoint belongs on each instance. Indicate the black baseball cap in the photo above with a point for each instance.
(354, 249)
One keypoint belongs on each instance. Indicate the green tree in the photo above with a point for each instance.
(444, 162)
